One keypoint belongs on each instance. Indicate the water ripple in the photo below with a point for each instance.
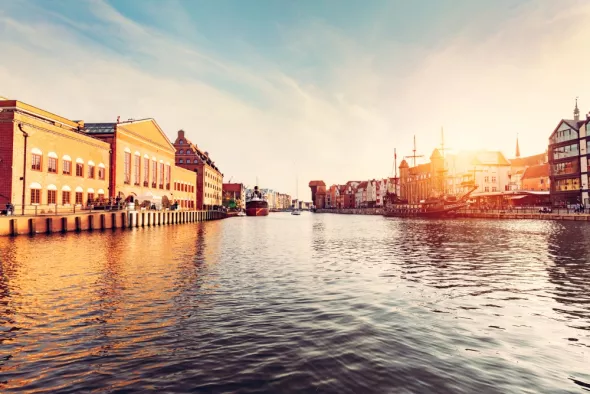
(315, 303)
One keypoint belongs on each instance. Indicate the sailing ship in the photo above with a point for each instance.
(438, 205)
(433, 207)
(256, 205)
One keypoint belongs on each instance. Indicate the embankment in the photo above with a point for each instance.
(17, 225)
(515, 214)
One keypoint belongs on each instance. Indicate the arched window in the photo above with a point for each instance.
(181, 161)
(181, 142)
(181, 152)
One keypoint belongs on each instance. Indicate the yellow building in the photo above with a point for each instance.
(143, 167)
(47, 162)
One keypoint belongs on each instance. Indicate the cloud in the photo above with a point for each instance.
(326, 104)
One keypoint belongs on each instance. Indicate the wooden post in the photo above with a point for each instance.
(13, 227)
(32, 226)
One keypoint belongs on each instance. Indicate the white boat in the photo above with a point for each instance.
(296, 211)
(241, 214)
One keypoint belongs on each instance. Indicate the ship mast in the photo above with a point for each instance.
(414, 156)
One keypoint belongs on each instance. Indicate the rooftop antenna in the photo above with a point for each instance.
(413, 156)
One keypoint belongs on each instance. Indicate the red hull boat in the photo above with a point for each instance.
(256, 205)
(256, 211)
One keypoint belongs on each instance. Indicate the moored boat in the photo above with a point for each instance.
(434, 207)
(256, 205)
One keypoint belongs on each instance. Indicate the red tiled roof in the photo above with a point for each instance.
(316, 183)
(528, 161)
(363, 185)
(536, 171)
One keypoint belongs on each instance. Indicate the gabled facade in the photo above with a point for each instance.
(568, 162)
(142, 164)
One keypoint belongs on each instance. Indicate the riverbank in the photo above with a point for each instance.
(514, 214)
(19, 225)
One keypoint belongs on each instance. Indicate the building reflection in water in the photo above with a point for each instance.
(569, 250)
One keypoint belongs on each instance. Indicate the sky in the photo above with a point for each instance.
(290, 91)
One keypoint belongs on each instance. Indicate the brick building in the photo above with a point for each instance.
(318, 193)
(536, 178)
(47, 161)
(209, 178)
(235, 192)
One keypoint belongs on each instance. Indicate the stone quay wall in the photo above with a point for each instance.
(19, 225)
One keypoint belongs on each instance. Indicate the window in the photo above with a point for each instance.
(146, 172)
(79, 198)
(65, 197)
(494, 188)
(181, 152)
(36, 162)
(181, 142)
(154, 173)
(563, 152)
(127, 168)
(136, 168)
(67, 167)
(182, 161)
(487, 189)
(167, 177)
(161, 176)
(90, 197)
(570, 167)
(564, 135)
(486, 179)
(35, 196)
(493, 179)
(507, 188)
(101, 173)
(79, 169)
(52, 165)
(91, 171)
(51, 194)
(567, 184)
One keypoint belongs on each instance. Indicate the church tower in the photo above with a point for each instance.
(576, 111)
(517, 148)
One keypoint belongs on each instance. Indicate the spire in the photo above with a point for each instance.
(576, 111)
(517, 147)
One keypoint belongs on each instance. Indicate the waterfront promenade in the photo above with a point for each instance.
(557, 214)
(100, 220)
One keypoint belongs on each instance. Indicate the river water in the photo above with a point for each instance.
(310, 303)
